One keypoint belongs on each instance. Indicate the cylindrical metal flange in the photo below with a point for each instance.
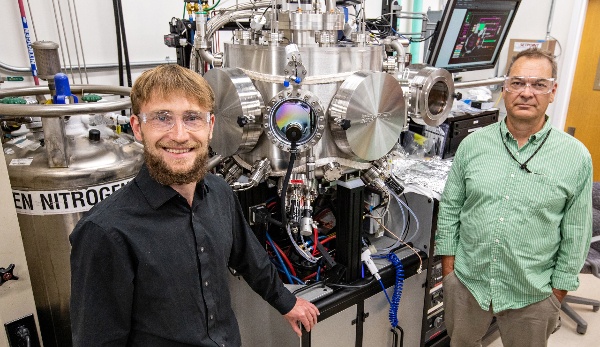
(238, 111)
(367, 114)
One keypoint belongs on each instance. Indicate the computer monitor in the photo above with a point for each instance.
(471, 33)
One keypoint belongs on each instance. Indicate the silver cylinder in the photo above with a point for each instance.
(326, 69)
(50, 201)
(46, 59)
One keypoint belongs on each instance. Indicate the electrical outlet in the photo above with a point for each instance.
(20, 330)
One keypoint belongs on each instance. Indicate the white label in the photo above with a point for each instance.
(24, 143)
(521, 46)
(40, 203)
(34, 146)
(21, 162)
(16, 140)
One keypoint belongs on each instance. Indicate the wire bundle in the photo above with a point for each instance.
(380, 27)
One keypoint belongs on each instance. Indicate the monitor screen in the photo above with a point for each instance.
(471, 33)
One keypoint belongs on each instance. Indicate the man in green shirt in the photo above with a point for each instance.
(515, 218)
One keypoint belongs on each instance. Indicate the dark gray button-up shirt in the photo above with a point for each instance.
(148, 270)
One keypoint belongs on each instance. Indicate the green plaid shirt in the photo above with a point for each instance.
(516, 235)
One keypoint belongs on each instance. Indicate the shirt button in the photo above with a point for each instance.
(201, 249)
(492, 280)
(501, 219)
(506, 197)
(517, 153)
(497, 241)
(211, 317)
(512, 175)
(206, 284)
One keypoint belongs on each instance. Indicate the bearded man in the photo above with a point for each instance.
(149, 264)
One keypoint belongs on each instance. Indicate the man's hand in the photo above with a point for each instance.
(560, 294)
(303, 312)
(447, 264)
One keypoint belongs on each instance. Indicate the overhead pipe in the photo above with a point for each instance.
(479, 83)
(415, 47)
(66, 109)
(92, 67)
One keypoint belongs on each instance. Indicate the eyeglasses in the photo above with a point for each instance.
(165, 120)
(537, 85)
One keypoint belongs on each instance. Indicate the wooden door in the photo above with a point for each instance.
(584, 105)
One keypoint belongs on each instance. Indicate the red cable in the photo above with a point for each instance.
(316, 232)
(314, 274)
(285, 259)
(328, 239)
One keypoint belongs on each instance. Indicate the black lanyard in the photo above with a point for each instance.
(523, 166)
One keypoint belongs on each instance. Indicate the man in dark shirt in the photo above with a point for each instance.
(150, 263)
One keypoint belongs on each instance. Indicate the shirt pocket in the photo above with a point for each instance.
(542, 193)
(545, 202)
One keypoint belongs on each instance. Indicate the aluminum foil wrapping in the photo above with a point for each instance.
(426, 176)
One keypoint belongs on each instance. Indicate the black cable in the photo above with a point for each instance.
(523, 166)
(119, 47)
(124, 42)
(286, 180)
(119, 51)
(352, 286)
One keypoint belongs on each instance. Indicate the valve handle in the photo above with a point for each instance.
(7, 274)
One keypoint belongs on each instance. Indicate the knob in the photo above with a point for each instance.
(94, 135)
(438, 322)
(294, 132)
(7, 274)
(242, 120)
(458, 95)
(345, 124)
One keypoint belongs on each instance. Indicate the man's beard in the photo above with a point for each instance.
(160, 171)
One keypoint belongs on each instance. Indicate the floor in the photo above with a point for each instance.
(567, 336)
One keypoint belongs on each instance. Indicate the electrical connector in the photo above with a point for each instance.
(366, 258)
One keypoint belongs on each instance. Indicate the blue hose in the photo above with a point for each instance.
(395, 302)
(285, 269)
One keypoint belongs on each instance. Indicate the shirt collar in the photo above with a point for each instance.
(535, 138)
(158, 194)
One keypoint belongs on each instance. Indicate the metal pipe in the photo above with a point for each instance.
(213, 161)
(415, 48)
(549, 27)
(247, 6)
(87, 80)
(330, 6)
(94, 67)
(62, 22)
(209, 58)
(75, 41)
(479, 83)
(65, 110)
(399, 48)
(75, 89)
